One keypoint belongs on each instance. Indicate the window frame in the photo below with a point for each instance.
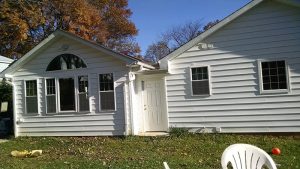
(63, 70)
(87, 93)
(25, 97)
(75, 95)
(209, 81)
(56, 95)
(99, 92)
(260, 78)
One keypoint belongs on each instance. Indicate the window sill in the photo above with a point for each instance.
(107, 111)
(266, 92)
(202, 95)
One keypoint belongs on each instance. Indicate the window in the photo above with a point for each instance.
(273, 75)
(67, 94)
(200, 81)
(83, 93)
(51, 95)
(31, 96)
(66, 61)
(107, 93)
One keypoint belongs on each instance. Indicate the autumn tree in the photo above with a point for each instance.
(24, 23)
(174, 38)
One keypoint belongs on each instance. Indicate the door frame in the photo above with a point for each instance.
(146, 78)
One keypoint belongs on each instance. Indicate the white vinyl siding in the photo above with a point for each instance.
(268, 32)
(31, 97)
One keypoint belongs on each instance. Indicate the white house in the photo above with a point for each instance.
(242, 75)
(4, 62)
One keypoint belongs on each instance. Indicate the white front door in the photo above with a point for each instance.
(155, 113)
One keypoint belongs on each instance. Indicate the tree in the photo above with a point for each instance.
(24, 23)
(174, 38)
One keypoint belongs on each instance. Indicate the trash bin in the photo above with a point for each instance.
(5, 126)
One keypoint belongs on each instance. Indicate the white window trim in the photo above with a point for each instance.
(37, 97)
(99, 92)
(56, 99)
(75, 95)
(209, 80)
(260, 80)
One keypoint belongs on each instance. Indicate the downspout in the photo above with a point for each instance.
(14, 111)
(131, 109)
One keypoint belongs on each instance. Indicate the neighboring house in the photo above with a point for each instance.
(242, 75)
(4, 62)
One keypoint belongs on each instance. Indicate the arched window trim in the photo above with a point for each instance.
(81, 63)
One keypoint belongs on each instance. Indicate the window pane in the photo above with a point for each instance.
(282, 85)
(66, 61)
(200, 87)
(204, 70)
(50, 86)
(83, 102)
(205, 76)
(31, 88)
(281, 63)
(267, 86)
(264, 65)
(107, 100)
(106, 82)
(51, 104)
(274, 75)
(83, 84)
(265, 72)
(274, 85)
(282, 78)
(31, 105)
(274, 79)
(273, 71)
(67, 94)
(281, 71)
(272, 65)
(199, 73)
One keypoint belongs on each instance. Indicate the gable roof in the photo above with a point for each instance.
(218, 26)
(59, 33)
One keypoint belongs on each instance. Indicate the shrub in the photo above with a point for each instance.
(174, 131)
(5, 91)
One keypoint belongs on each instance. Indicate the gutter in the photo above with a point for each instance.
(138, 63)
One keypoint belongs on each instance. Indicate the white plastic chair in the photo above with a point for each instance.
(245, 156)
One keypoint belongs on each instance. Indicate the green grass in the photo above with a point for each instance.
(180, 151)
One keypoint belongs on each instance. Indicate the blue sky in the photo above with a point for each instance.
(152, 17)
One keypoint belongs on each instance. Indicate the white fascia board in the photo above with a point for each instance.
(145, 65)
(210, 31)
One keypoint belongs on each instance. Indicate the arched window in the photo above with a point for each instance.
(66, 61)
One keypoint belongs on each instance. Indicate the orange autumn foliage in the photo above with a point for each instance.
(24, 23)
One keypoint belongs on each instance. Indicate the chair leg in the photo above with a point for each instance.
(166, 165)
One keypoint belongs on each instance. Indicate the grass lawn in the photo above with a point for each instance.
(186, 151)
